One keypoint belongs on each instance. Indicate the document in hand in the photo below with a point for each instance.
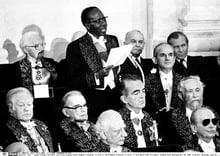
(118, 55)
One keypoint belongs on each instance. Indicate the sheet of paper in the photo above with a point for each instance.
(118, 55)
(41, 91)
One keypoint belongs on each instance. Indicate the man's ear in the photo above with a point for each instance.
(123, 99)
(180, 95)
(154, 60)
(103, 135)
(64, 110)
(194, 128)
(87, 26)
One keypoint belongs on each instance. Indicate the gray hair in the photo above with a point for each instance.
(69, 94)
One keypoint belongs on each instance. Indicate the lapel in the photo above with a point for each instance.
(155, 89)
(90, 53)
(44, 133)
(21, 134)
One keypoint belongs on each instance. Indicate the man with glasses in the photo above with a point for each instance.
(34, 69)
(86, 58)
(190, 91)
(79, 133)
(204, 123)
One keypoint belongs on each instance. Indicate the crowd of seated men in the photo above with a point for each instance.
(79, 104)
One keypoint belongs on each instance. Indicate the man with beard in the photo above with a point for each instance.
(79, 133)
(135, 64)
(86, 58)
(190, 91)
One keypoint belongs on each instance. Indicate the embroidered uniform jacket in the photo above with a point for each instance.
(13, 131)
(83, 61)
(182, 125)
(193, 145)
(24, 66)
(154, 88)
(80, 140)
(131, 139)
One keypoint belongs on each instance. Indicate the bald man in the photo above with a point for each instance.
(204, 123)
(110, 127)
(135, 64)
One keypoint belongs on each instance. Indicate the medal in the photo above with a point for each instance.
(139, 133)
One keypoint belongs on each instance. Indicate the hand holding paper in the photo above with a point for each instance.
(118, 55)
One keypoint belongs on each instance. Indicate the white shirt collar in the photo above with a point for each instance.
(207, 147)
(188, 113)
(100, 40)
(184, 60)
(139, 115)
(116, 149)
(169, 76)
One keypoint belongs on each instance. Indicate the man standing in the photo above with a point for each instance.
(86, 58)
(135, 64)
(139, 124)
(162, 88)
(184, 64)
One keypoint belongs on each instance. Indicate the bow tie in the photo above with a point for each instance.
(28, 125)
(136, 121)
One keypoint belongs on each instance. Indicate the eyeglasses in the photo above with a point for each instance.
(206, 122)
(38, 46)
(99, 21)
(76, 107)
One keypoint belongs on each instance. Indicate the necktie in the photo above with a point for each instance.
(183, 66)
(136, 121)
(28, 125)
(102, 51)
(138, 62)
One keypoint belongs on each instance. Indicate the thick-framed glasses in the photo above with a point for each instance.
(76, 107)
(206, 122)
(99, 21)
(38, 46)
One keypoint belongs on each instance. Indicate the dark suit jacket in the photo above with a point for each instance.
(128, 67)
(13, 131)
(83, 61)
(193, 145)
(182, 125)
(131, 139)
(155, 90)
(79, 140)
(193, 66)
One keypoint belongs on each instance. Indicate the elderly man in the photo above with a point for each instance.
(190, 91)
(78, 131)
(110, 128)
(204, 122)
(162, 88)
(35, 69)
(86, 58)
(21, 127)
(139, 124)
(135, 64)
(184, 64)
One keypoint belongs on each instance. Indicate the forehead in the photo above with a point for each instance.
(95, 14)
(135, 35)
(181, 39)
(33, 38)
(191, 83)
(22, 96)
(116, 124)
(204, 114)
(165, 48)
(76, 100)
(134, 85)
